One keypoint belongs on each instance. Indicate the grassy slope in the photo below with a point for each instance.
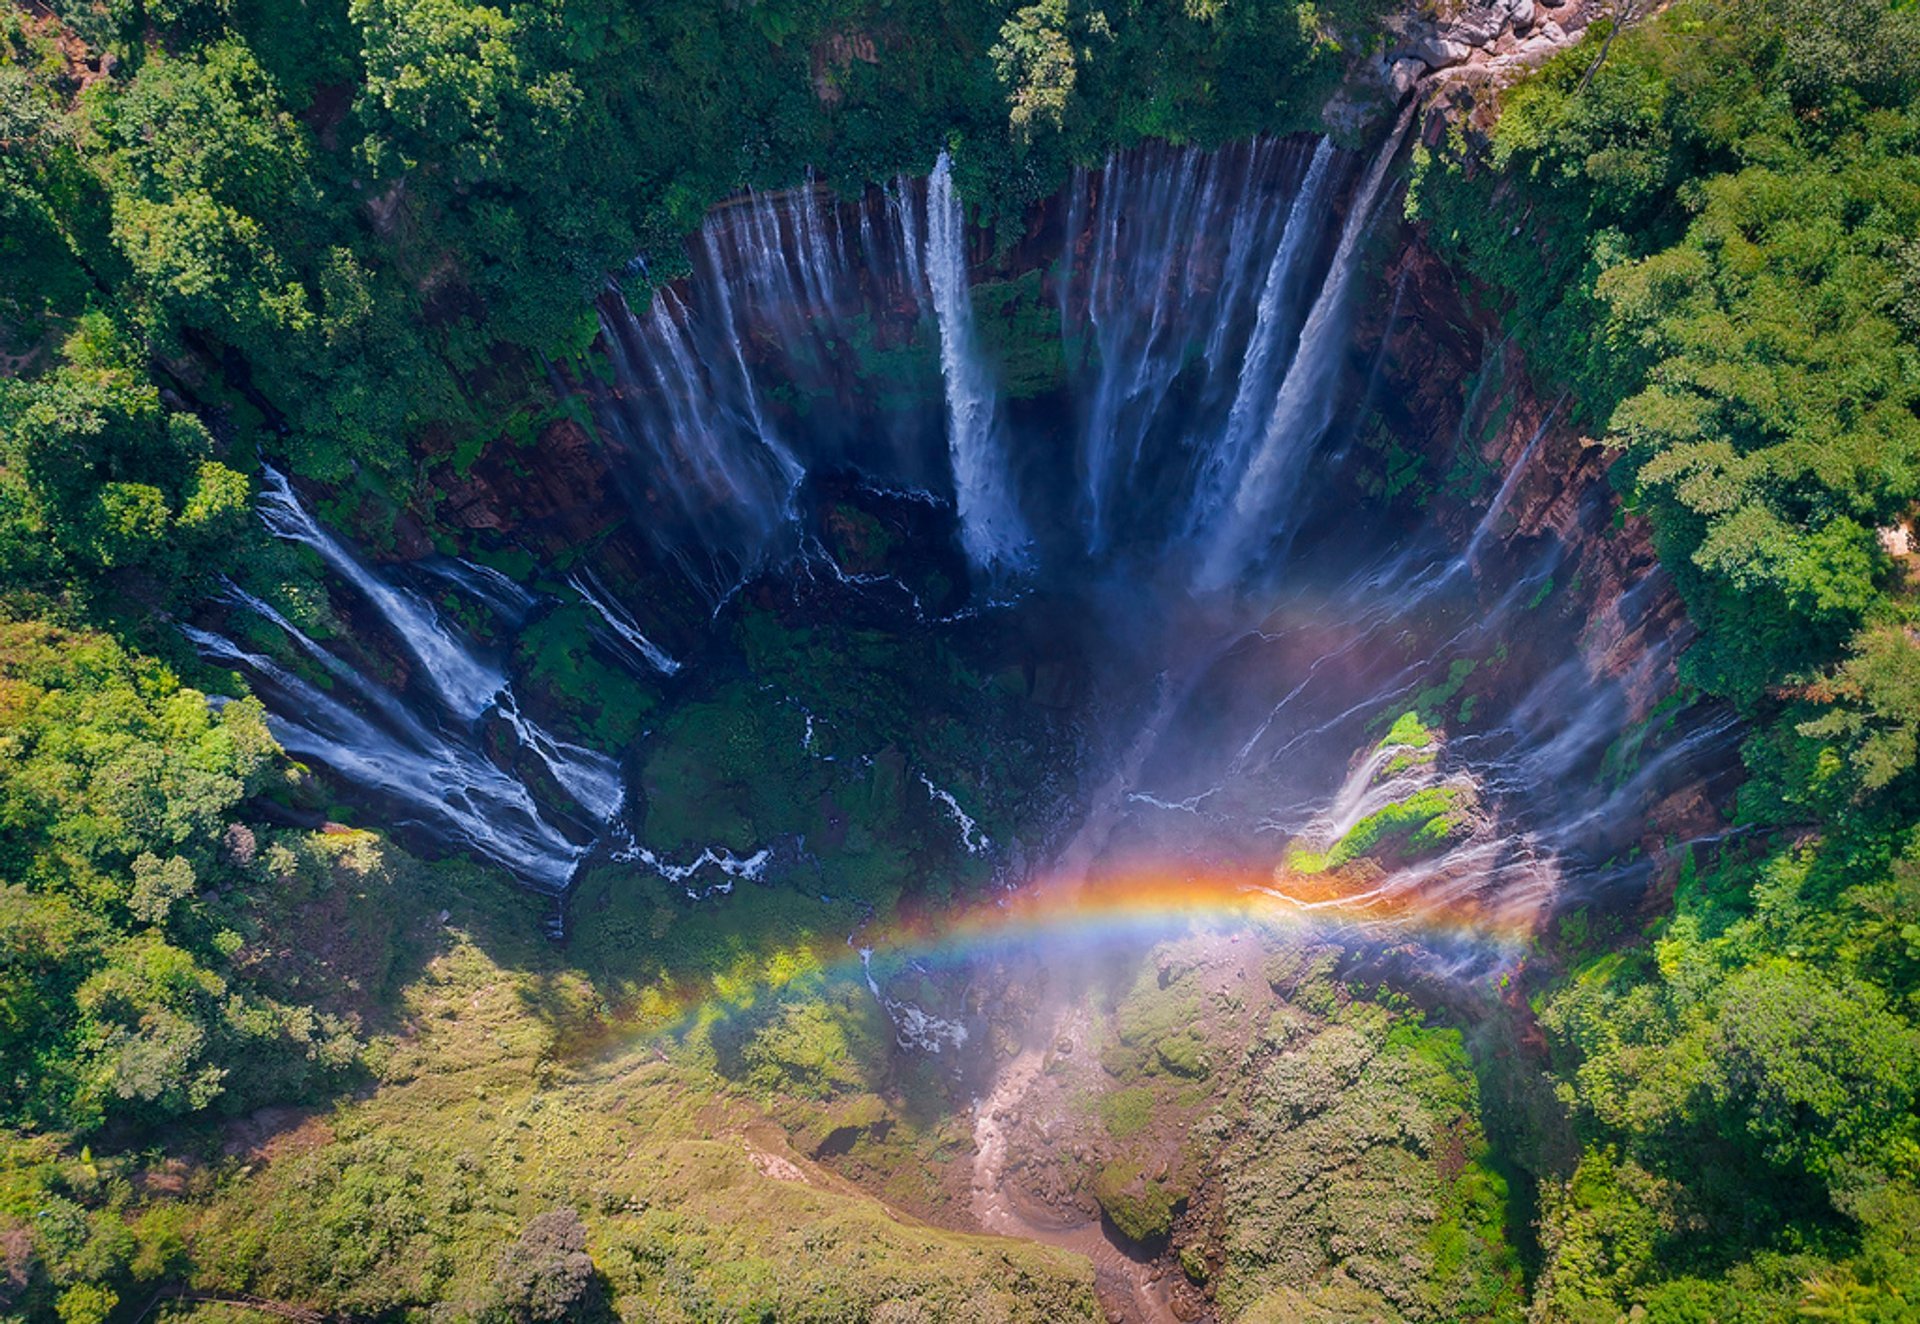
(697, 1206)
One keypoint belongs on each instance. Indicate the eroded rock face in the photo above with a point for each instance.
(1452, 382)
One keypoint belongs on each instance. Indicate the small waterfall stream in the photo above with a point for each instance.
(990, 522)
(465, 683)
(437, 772)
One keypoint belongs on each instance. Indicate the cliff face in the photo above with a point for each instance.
(1454, 388)
(1504, 471)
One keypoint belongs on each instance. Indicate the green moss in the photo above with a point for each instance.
(1183, 1054)
(1423, 822)
(1127, 1112)
(729, 772)
(1409, 730)
(1159, 1028)
(1432, 702)
(1140, 1209)
(1193, 1263)
(608, 704)
(1020, 329)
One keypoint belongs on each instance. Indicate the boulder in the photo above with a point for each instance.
(1478, 27)
(1438, 52)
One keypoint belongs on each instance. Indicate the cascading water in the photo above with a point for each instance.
(625, 629)
(990, 522)
(1178, 243)
(1203, 303)
(854, 311)
(792, 296)
(1274, 333)
(1304, 406)
(463, 682)
(509, 601)
(436, 771)
(422, 777)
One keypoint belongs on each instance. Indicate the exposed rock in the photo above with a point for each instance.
(832, 56)
(1437, 51)
(1483, 42)
(1404, 74)
(1478, 27)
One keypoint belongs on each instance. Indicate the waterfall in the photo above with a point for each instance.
(590, 777)
(507, 600)
(440, 772)
(823, 351)
(1267, 350)
(990, 522)
(1177, 243)
(729, 388)
(1498, 506)
(433, 780)
(1304, 406)
(464, 683)
(715, 486)
(625, 629)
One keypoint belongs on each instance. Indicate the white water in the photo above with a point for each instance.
(1270, 345)
(435, 781)
(731, 867)
(971, 836)
(991, 526)
(462, 681)
(624, 627)
(587, 775)
(1178, 241)
(914, 1027)
(1304, 406)
(511, 602)
(439, 771)
(1498, 506)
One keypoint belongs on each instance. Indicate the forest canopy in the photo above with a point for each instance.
(1706, 230)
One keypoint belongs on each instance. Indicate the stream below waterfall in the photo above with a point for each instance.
(1128, 1284)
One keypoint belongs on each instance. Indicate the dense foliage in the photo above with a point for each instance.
(375, 219)
(1716, 250)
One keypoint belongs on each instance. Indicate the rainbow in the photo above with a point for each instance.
(1122, 909)
(1165, 898)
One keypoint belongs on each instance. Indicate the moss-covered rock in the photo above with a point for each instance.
(1140, 1208)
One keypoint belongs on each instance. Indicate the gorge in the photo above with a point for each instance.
(1419, 735)
(884, 683)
